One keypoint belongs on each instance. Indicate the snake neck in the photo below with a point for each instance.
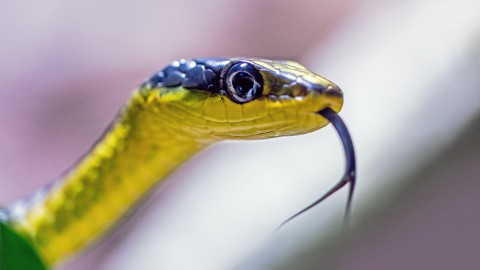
(135, 154)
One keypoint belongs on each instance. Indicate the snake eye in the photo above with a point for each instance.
(244, 83)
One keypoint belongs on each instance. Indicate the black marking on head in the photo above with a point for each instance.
(241, 80)
(201, 74)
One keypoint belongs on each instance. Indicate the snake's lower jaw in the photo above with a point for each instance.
(218, 118)
(270, 117)
(276, 124)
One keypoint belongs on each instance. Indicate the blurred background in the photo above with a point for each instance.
(410, 74)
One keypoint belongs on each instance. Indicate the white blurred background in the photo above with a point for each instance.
(410, 74)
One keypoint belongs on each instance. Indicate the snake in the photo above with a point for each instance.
(177, 112)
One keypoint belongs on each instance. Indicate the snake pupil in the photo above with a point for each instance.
(243, 84)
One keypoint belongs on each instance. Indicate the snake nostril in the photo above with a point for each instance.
(333, 90)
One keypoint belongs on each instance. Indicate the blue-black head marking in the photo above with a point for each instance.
(200, 73)
(242, 80)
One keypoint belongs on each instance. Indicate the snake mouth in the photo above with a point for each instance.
(319, 98)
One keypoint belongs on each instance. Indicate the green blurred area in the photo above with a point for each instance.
(16, 253)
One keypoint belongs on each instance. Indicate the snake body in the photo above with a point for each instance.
(179, 111)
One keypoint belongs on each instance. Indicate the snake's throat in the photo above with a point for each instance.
(134, 156)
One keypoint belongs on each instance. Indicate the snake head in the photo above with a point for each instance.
(241, 98)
